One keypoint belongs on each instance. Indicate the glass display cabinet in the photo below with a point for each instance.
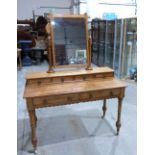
(114, 44)
(129, 59)
(102, 37)
(95, 38)
(102, 42)
(109, 43)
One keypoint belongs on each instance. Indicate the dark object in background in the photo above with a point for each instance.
(25, 46)
(40, 25)
(29, 22)
(25, 41)
(22, 35)
(133, 73)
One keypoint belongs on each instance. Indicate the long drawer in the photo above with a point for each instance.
(57, 100)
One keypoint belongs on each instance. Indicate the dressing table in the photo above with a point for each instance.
(54, 88)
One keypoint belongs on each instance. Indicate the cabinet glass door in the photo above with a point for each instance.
(109, 43)
(102, 26)
(129, 60)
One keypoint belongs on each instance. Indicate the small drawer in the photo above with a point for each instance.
(49, 101)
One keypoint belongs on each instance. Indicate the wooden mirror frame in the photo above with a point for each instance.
(51, 45)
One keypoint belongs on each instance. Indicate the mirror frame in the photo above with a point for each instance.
(51, 45)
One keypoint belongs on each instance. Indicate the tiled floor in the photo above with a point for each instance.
(78, 129)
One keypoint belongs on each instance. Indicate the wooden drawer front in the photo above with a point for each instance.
(78, 78)
(68, 79)
(40, 81)
(106, 75)
(100, 94)
(100, 75)
(56, 80)
(75, 98)
(49, 101)
(89, 77)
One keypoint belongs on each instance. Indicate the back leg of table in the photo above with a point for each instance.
(104, 107)
(118, 122)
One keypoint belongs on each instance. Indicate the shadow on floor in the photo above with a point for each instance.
(52, 130)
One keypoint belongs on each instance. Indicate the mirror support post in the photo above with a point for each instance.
(48, 31)
(89, 54)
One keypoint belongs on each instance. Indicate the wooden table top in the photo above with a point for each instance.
(72, 87)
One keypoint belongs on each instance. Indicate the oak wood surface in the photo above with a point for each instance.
(68, 73)
(68, 87)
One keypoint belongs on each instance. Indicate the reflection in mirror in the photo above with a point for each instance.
(69, 41)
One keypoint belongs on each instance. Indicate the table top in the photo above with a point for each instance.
(72, 87)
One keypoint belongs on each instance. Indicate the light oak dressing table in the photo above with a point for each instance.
(47, 89)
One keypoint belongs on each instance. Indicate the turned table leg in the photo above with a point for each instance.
(33, 122)
(118, 122)
(104, 107)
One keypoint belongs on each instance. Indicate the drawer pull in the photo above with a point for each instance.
(111, 93)
(62, 79)
(45, 101)
(51, 80)
(90, 96)
(69, 98)
(39, 82)
(84, 78)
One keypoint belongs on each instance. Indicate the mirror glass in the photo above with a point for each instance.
(69, 41)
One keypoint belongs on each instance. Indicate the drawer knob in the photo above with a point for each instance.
(45, 101)
(39, 82)
(62, 79)
(111, 93)
(69, 98)
(90, 96)
(84, 78)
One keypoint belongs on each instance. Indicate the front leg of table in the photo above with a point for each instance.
(104, 107)
(118, 122)
(33, 128)
(33, 122)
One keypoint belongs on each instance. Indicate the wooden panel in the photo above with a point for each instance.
(57, 100)
(56, 80)
(37, 75)
(79, 78)
(68, 79)
(71, 87)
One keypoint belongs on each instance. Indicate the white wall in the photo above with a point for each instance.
(92, 7)
(25, 7)
(96, 10)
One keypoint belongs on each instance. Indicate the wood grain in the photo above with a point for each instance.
(61, 88)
